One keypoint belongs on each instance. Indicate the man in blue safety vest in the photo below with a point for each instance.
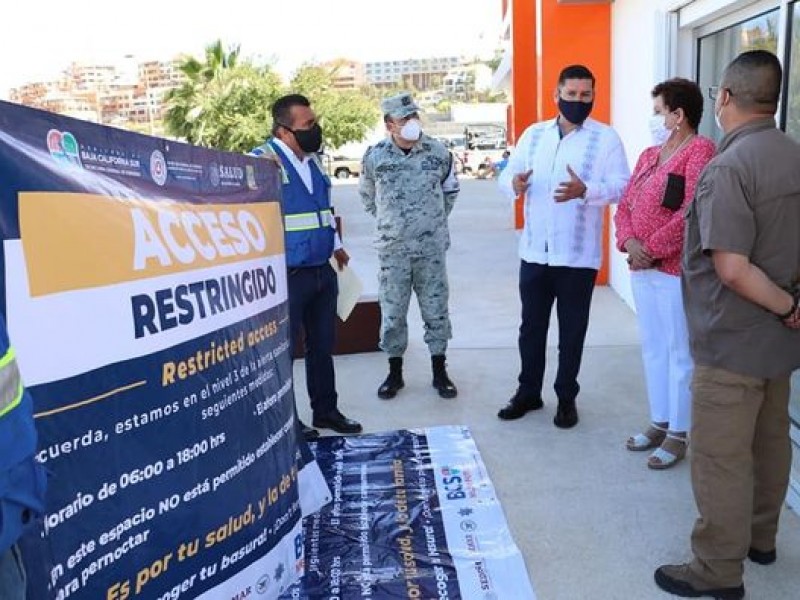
(311, 240)
(22, 479)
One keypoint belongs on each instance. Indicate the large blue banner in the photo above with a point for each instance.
(144, 286)
(414, 515)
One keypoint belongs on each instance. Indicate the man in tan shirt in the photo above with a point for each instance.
(741, 266)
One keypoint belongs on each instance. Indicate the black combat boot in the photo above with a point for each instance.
(441, 381)
(394, 382)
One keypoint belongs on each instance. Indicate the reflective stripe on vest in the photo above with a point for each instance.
(307, 221)
(10, 383)
(326, 216)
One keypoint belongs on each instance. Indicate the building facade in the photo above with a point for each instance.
(631, 45)
(115, 95)
(347, 74)
(464, 82)
(421, 73)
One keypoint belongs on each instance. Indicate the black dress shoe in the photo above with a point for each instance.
(518, 406)
(762, 557)
(337, 422)
(308, 433)
(566, 414)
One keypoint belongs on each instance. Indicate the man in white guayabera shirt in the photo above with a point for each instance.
(569, 168)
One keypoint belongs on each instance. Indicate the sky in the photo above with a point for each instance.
(41, 38)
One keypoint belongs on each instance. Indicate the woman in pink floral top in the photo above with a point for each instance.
(649, 227)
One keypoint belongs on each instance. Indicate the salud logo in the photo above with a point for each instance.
(158, 167)
(63, 147)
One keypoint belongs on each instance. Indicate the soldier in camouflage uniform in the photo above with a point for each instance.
(408, 184)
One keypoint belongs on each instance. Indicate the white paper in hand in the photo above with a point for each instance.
(350, 288)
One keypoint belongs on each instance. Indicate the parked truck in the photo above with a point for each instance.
(341, 167)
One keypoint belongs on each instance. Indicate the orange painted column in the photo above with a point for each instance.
(548, 35)
(524, 77)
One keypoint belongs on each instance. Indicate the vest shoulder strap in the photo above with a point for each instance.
(267, 151)
(10, 383)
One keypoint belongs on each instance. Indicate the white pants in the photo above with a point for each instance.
(665, 346)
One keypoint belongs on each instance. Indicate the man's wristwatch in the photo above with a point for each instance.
(795, 303)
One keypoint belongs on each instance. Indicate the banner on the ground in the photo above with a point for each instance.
(144, 287)
(414, 515)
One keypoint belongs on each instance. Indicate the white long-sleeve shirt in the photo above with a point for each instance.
(566, 234)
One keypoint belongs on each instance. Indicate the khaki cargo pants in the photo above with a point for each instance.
(741, 458)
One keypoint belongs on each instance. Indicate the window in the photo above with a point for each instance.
(792, 74)
(791, 103)
(716, 48)
(719, 48)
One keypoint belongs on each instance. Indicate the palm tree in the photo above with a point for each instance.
(186, 102)
(224, 102)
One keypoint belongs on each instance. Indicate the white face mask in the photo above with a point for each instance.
(411, 130)
(658, 130)
(717, 113)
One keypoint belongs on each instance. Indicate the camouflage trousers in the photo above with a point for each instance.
(427, 277)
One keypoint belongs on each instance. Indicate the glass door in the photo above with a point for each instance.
(716, 50)
(791, 105)
(792, 73)
(716, 47)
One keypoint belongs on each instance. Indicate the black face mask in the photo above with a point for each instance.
(309, 140)
(575, 111)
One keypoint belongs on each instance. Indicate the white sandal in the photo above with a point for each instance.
(652, 438)
(670, 453)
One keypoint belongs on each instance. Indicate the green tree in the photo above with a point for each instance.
(443, 106)
(217, 59)
(224, 101)
(182, 102)
(495, 61)
(345, 115)
(490, 96)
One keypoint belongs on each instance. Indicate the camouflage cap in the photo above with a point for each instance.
(399, 106)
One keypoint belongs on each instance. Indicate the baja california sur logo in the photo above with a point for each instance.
(158, 167)
(63, 147)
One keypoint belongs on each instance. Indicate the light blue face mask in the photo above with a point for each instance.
(658, 130)
(411, 130)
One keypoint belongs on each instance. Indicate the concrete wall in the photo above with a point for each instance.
(638, 60)
(482, 112)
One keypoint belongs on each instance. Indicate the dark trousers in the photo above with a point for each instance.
(571, 289)
(312, 311)
(12, 574)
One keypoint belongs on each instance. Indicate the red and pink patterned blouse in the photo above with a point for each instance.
(640, 214)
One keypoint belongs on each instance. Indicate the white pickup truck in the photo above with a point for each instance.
(341, 167)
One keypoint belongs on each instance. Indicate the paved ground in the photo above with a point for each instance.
(591, 520)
